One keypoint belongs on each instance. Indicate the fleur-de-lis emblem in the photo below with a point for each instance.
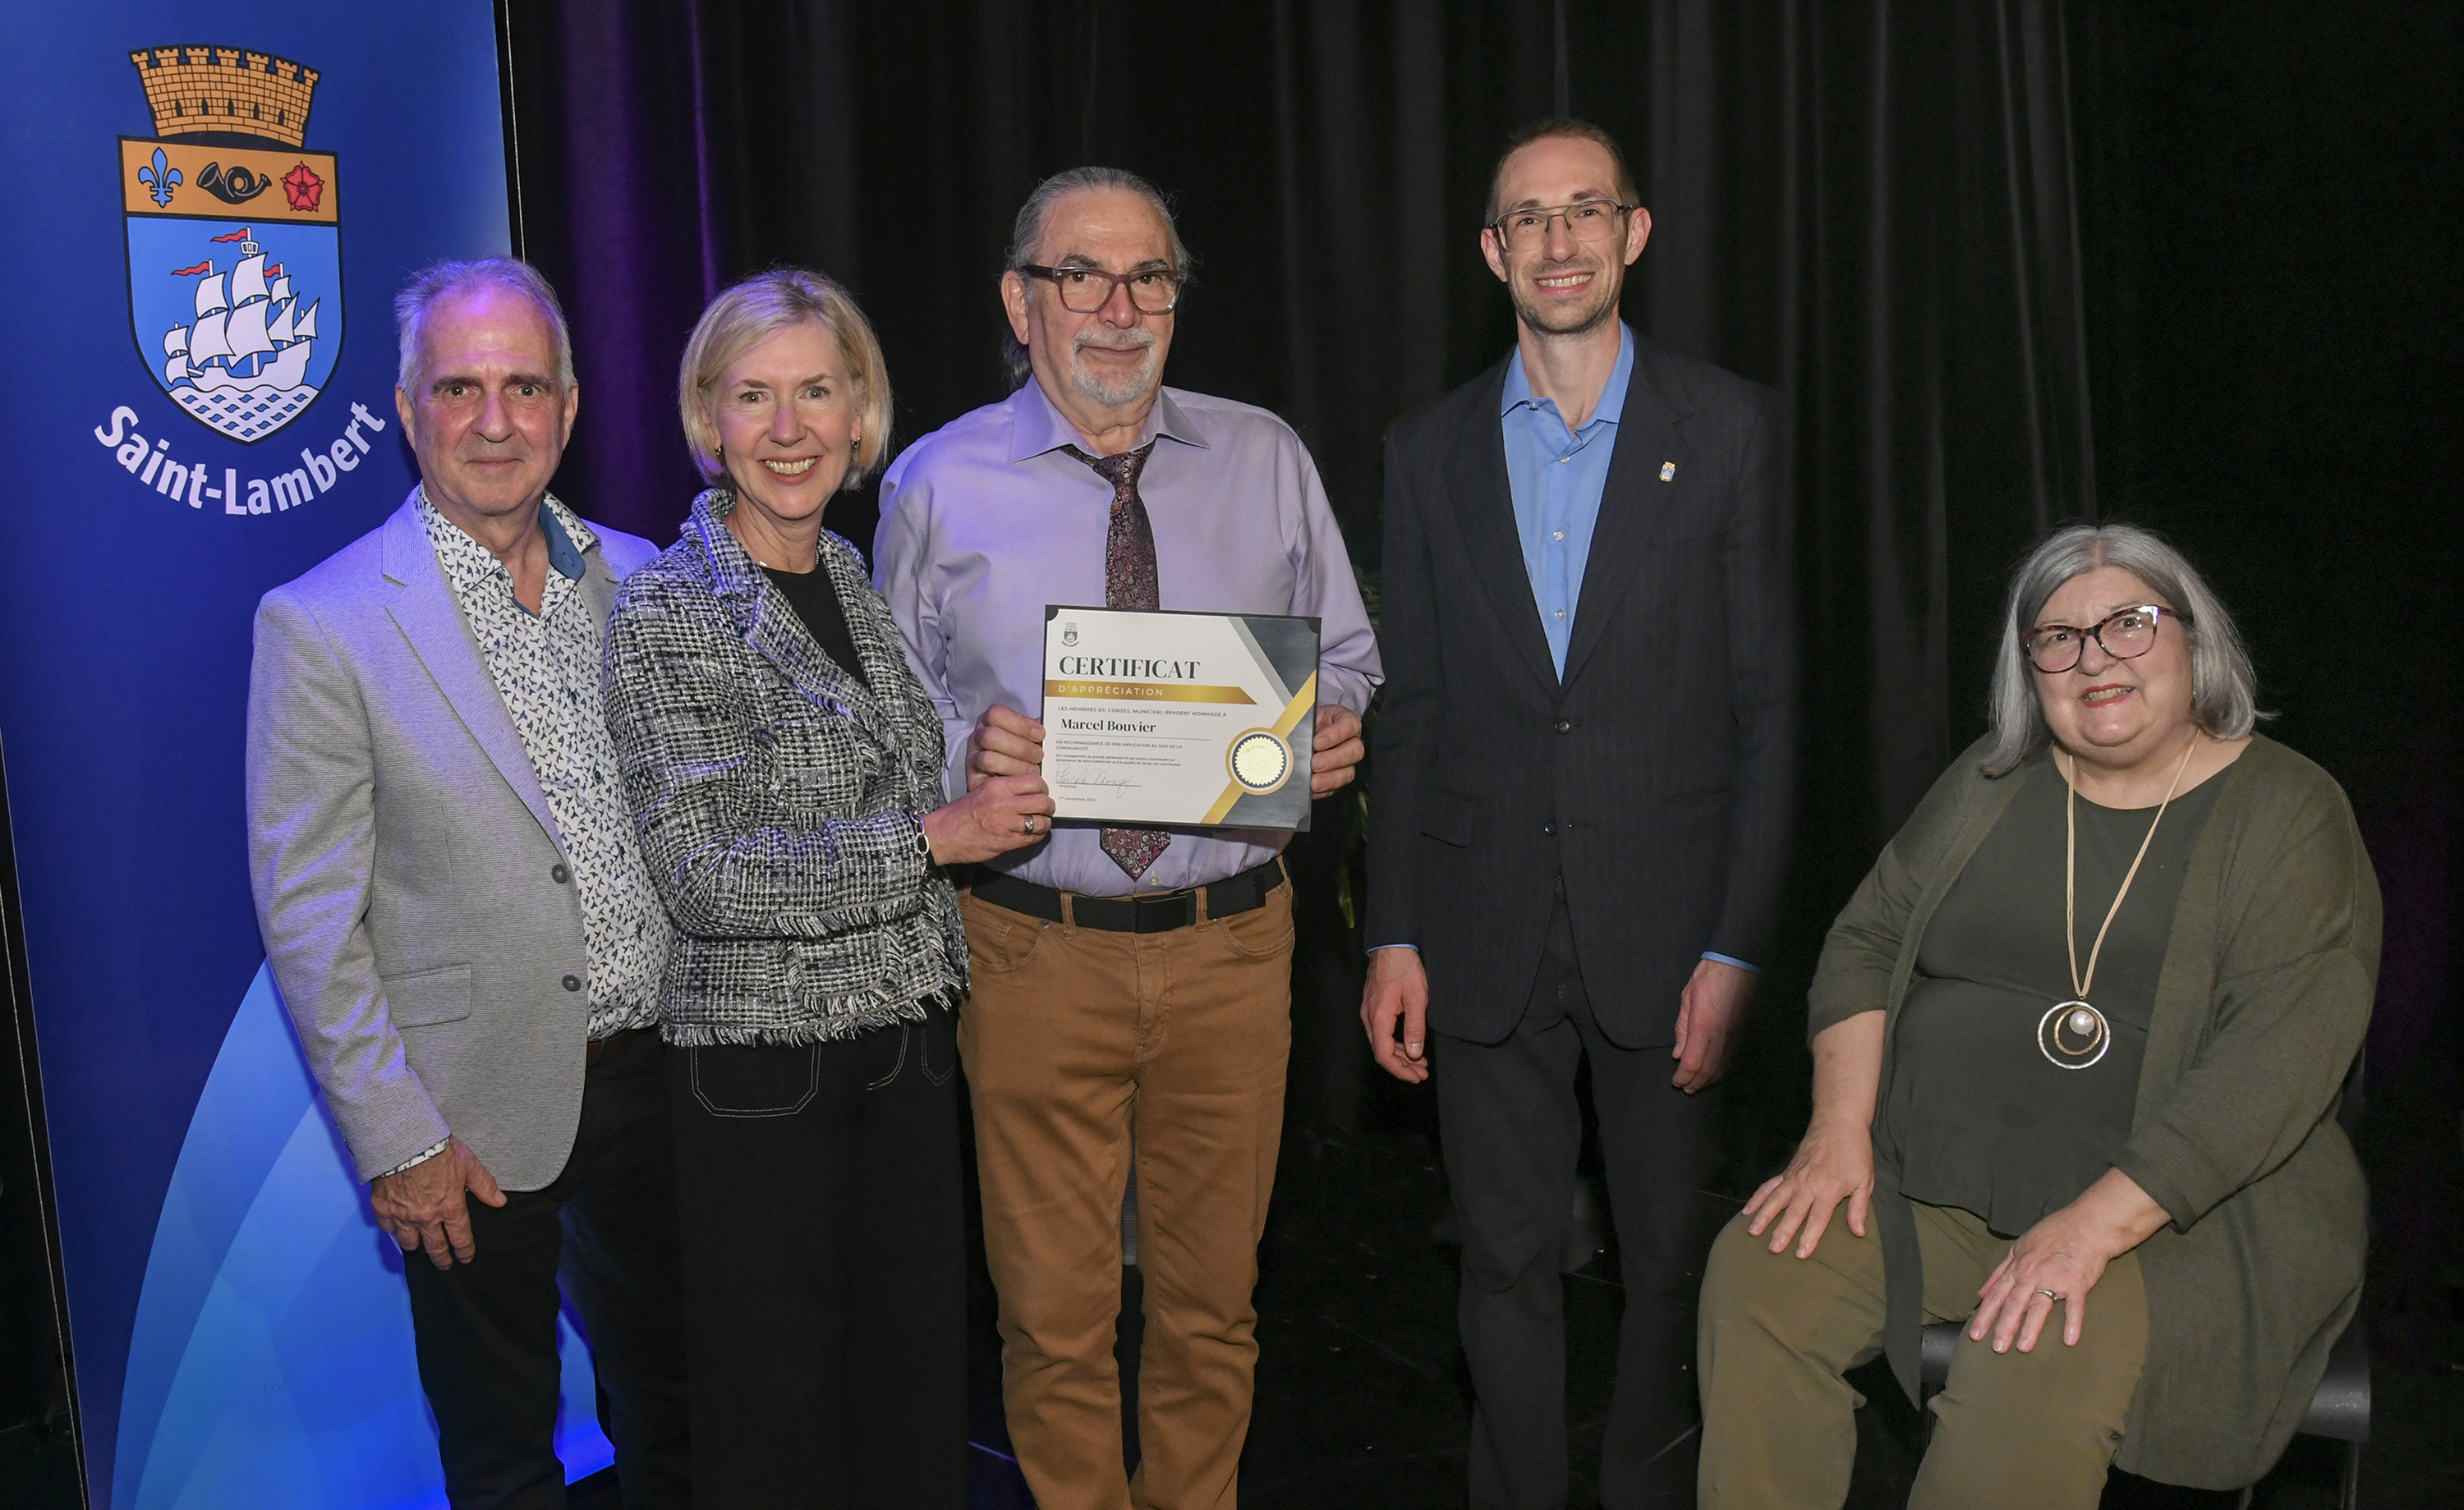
(161, 179)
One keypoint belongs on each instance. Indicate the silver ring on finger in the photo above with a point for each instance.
(1030, 825)
(2051, 1295)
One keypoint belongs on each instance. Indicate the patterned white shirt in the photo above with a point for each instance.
(546, 669)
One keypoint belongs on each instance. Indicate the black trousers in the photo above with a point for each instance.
(1511, 1130)
(607, 1228)
(825, 1287)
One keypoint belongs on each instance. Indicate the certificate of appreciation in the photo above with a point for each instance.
(1155, 717)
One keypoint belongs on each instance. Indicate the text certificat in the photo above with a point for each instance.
(1158, 718)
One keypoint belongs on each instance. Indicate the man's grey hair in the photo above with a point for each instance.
(2224, 691)
(1027, 237)
(439, 280)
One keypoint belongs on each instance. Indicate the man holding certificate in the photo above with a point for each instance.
(1141, 593)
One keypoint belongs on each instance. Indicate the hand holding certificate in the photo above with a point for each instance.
(1156, 718)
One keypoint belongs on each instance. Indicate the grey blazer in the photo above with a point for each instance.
(405, 863)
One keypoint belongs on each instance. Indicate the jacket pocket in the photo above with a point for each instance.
(731, 1081)
(1446, 817)
(424, 997)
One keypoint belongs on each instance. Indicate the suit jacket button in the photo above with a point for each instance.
(558, 874)
(573, 982)
(1564, 726)
(1548, 830)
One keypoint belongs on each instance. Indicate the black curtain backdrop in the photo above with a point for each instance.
(2009, 262)
(1870, 209)
(2270, 231)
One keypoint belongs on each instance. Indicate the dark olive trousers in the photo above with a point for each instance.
(2031, 1431)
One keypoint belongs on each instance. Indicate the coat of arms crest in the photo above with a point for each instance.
(235, 240)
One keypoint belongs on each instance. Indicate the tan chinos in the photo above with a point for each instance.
(1073, 1039)
(2012, 1431)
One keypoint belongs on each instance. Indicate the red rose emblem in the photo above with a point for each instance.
(303, 187)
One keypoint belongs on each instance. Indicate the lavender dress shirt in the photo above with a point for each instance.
(986, 520)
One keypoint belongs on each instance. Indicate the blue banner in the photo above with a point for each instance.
(212, 208)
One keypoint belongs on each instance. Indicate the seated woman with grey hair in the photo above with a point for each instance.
(2078, 1042)
(785, 769)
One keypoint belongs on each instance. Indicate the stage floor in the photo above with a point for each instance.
(1361, 1392)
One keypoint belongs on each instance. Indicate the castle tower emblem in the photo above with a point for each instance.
(234, 237)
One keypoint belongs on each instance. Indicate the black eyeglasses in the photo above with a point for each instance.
(2123, 634)
(1084, 291)
(1590, 220)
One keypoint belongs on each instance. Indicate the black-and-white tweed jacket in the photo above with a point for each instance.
(774, 796)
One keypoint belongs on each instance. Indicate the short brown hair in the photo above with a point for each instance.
(1561, 126)
(752, 311)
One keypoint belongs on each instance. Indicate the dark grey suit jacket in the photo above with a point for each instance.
(406, 862)
(1654, 777)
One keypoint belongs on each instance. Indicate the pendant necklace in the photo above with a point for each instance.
(2073, 1034)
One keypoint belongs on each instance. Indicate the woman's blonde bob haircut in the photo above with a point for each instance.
(752, 311)
(2224, 691)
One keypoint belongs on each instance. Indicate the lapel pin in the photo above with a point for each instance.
(1668, 472)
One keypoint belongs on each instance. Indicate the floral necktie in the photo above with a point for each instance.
(1130, 581)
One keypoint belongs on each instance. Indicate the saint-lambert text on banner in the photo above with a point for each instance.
(214, 208)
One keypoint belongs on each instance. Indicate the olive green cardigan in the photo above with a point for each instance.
(2260, 1007)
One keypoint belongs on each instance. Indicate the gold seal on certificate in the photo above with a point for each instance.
(1159, 718)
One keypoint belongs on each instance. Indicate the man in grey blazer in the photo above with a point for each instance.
(456, 909)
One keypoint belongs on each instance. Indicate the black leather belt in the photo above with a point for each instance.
(1160, 913)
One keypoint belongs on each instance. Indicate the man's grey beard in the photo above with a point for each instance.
(1127, 390)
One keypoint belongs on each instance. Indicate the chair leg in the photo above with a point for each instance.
(2351, 1498)
(2243, 1504)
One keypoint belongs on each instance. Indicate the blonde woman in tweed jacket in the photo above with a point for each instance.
(784, 770)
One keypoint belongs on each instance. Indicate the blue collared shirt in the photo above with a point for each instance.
(1557, 476)
(561, 553)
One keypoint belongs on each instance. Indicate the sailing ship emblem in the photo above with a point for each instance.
(239, 321)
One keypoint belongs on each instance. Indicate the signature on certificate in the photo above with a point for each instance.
(1092, 776)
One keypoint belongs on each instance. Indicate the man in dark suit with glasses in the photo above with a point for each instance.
(1582, 779)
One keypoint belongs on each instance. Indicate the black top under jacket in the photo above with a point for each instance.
(817, 602)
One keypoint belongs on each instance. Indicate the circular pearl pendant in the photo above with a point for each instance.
(2073, 1035)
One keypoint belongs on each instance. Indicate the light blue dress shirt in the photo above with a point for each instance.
(1557, 476)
